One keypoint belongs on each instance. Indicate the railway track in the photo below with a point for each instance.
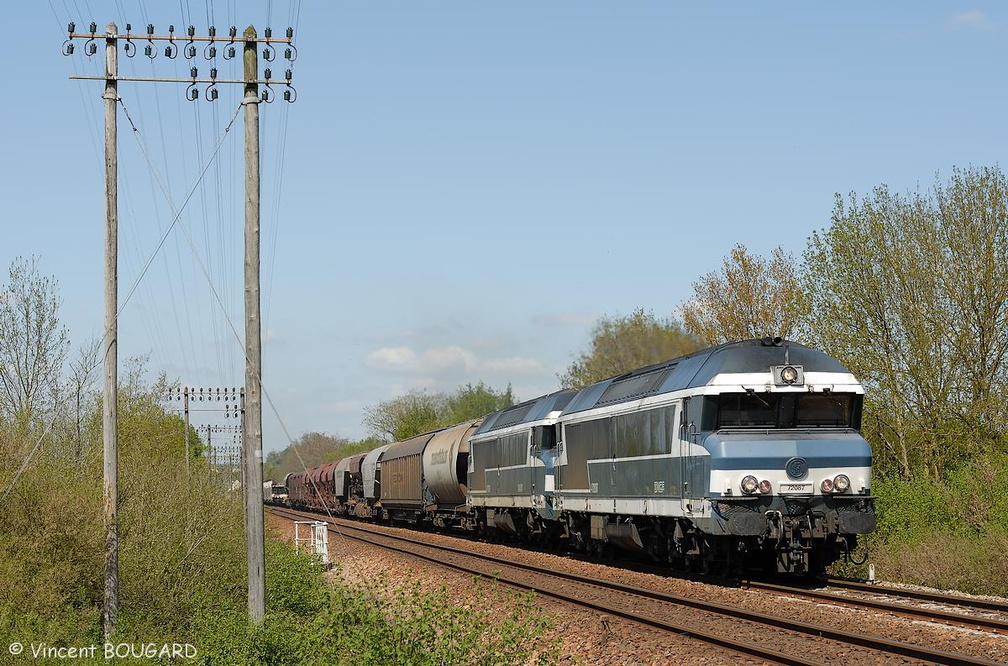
(953, 618)
(958, 601)
(952, 609)
(749, 633)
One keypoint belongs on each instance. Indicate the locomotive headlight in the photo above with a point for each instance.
(841, 483)
(749, 484)
(788, 375)
(764, 486)
(826, 486)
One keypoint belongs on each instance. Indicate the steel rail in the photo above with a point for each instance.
(937, 597)
(862, 640)
(946, 617)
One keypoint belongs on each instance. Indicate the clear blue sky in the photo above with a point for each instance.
(462, 189)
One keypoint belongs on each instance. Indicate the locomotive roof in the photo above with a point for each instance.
(527, 412)
(699, 368)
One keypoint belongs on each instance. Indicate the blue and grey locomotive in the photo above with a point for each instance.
(746, 453)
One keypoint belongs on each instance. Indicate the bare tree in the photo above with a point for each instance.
(750, 297)
(33, 345)
(83, 373)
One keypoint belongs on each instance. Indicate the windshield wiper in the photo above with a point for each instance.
(753, 393)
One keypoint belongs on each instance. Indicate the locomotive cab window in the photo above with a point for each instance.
(544, 437)
(785, 410)
(748, 410)
(823, 410)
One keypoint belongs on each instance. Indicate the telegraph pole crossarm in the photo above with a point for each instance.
(189, 394)
(186, 44)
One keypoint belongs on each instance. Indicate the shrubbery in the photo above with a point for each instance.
(951, 533)
(51, 563)
(182, 566)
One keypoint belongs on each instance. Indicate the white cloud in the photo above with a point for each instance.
(972, 20)
(441, 361)
(401, 358)
(514, 365)
(449, 357)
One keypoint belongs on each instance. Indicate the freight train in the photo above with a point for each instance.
(744, 455)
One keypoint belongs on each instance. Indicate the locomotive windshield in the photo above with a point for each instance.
(784, 410)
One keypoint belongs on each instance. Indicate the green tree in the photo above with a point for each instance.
(405, 416)
(419, 412)
(312, 448)
(144, 424)
(473, 402)
(909, 292)
(622, 344)
(973, 210)
(750, 297)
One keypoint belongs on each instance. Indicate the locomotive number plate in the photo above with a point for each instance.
(795, 489)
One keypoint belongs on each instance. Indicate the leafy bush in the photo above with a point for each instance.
(978, 494)
(908, 508)
(970, 501)
(182, 572)
(951, 533)
(51, 559)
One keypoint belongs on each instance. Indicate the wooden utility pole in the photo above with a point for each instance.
(109, 393)
(252, 440)
(252, 413)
